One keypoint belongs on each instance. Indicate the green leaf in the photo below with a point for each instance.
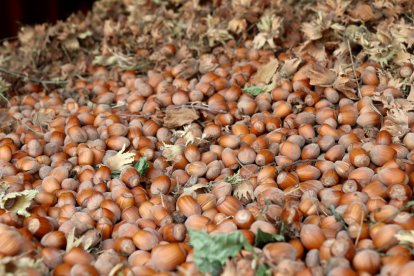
(263, 270)
(211, 252)
(115, 175)
(408, 205)
(263, 238)
(142, 166)
(254, 90)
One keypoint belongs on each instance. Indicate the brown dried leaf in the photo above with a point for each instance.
(290, 67)
(314, 49)
(192, 189)
(320, 75)
(402, 57)
(362, 12)
(179, 117)
(265, 72)
(311, 31)
(396, 122)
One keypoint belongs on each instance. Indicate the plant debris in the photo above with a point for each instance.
(120, 160)
(278, 112)
(16, 202)
(179, 117)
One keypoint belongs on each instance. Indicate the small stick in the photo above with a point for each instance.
(353, 69)
(200, 107)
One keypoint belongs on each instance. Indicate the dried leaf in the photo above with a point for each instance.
(83, 241)
(405, 237)
(120, 160)
(347, 86)
(188, 136)
(362, 12)
(314, 49)
(270, 27)
(71, 43)
(402, 57)
(237, 25)
(170, 152)
(178, 117)
(190, 190)
(320, 75)
(290, 67)
(42, 119)
(312, 31)
(16, 202)
(265, 72)
(396, 122)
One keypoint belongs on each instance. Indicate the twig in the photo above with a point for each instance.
(359, 230)
(24, 77)
(200, 107)
(353, 68)
(137, 115)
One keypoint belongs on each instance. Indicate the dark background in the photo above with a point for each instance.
(17, 13)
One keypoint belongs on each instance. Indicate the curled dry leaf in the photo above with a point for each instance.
(16, 202)
(120, 160)
(179, 117)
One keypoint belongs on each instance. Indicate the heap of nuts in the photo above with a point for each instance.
(303, 161)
